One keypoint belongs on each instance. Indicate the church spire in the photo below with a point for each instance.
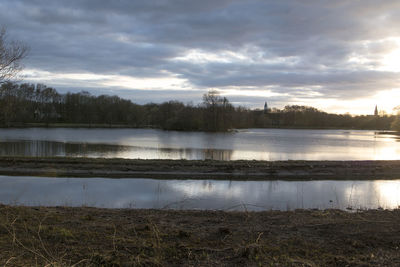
(376, 110)
(265, 107)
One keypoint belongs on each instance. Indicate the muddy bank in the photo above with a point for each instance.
(102, 237)
(208, 169)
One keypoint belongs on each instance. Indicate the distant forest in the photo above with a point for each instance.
(24, 104)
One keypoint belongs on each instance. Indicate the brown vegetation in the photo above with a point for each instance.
(99, 237)
(200, 169)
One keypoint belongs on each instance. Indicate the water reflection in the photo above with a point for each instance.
(50, 148)
(199, 194)
(251, 144)
(38, 148)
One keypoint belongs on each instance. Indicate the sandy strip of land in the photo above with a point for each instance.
(197, 169)
(60, 236)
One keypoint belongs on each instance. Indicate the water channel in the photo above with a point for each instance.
(199, 194)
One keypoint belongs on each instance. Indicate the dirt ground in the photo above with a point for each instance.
(60, 236)
(197, 169)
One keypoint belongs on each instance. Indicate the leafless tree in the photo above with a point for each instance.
(217, 112)
(11, 54)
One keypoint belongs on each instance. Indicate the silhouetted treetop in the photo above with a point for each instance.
(11, 55)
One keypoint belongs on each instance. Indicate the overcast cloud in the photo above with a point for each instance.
(336, 55)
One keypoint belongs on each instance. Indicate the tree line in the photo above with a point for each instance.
(28, 103)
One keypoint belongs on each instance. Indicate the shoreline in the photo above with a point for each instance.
(127, 126)
(62, 236)
(200, 169)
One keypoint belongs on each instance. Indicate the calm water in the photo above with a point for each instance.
(258, 144)
(199, 194)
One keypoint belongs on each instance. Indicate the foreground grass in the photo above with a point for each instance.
(62, 236)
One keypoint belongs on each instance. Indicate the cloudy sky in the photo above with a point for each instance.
(339, 56)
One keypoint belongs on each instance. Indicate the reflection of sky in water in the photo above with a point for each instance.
(199, 194)
(258, 144)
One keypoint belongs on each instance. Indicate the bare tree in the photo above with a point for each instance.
(11, 54)
(217, 112)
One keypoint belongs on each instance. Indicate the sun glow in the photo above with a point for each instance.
(387, 100)
(391, 61)
(389, 193)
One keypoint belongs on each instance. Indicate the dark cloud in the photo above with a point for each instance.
(289, 45)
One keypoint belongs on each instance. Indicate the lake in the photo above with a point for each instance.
(249, 144)
(199, 194)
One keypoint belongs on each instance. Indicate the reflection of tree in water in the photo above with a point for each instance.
(207, 185)
(32, 148)
(218, 154)
(39, 148)
(93, 150)
(195, 154)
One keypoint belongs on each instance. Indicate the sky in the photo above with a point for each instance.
(339, 56)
